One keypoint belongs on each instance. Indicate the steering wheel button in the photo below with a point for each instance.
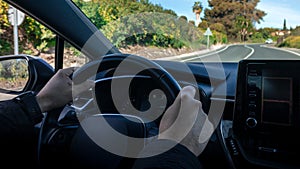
(252, 113)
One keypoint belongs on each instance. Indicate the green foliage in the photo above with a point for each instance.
(92, 11)
(265, 33)
(35, 36)
(12, 69)
(3, 15)
(216, 38)
(219, 37)
(124, 22)
(258, 37)
(203, 25)
(197, 6)
(296, 31)
(5, 47)
(40, 37)
(151, 29)
(284, 25)
(291, 42)
(243, 26)
(226, 12)
(191, 22)
(5, 29)
(102, 12)
(218, 27)
(14, 74)
(184, 18)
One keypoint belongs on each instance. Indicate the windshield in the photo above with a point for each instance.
(192, 31)
(177, 30)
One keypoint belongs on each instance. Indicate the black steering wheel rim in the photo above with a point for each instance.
(113, 60)
(158, 73)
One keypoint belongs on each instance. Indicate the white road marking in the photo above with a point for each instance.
(295, 53)
(202, 56)
(251, 53)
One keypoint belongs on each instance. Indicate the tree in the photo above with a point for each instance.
(243, 26)
(197, 9)
(284, 25)
(203, 25)
(296, 31)
(227, 11)
(5, 30)
(183, 18)
(192, 22)
(91, 10)
(218, 27)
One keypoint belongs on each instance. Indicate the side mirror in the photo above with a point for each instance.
(14, 75)
(21, 73)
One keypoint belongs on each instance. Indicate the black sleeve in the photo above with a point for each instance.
(15, 122)
(178, 157)
(18, 137)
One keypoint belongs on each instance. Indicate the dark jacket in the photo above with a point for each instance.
(178, 157)
(18, 137)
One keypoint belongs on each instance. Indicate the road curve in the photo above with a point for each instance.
(235, 53)
(266, 52)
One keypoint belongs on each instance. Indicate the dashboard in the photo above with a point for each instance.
(266, 118)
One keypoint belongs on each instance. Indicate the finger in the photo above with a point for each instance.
(80, 88)
(173, 111)
(69, 71)
(184, 92)
(189, 108)
(181, 116)
(189, 91)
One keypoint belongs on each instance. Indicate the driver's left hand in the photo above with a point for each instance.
(57, 92)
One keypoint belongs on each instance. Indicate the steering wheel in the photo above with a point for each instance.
(119, 67)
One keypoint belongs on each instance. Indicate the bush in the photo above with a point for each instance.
(291, 42)
(33, 36)
(6, 47)
(296, 31)
(152, 29)
(257, 37)
(219, 37)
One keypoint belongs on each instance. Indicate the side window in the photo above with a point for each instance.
(33, 39)
(73, 57)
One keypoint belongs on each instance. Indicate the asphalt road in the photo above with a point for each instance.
(235, 53)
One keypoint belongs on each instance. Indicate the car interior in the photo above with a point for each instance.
(257, 101)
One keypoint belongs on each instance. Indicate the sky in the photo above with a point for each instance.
(277, 11)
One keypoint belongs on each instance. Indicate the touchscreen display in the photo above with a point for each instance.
(277, 92)
(277, 99)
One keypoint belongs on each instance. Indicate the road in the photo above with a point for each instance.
(235, 53)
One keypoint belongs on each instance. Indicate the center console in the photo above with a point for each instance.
(266, 124)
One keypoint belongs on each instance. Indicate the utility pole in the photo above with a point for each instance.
(15, 18)
(16, 40)
(244, 36)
